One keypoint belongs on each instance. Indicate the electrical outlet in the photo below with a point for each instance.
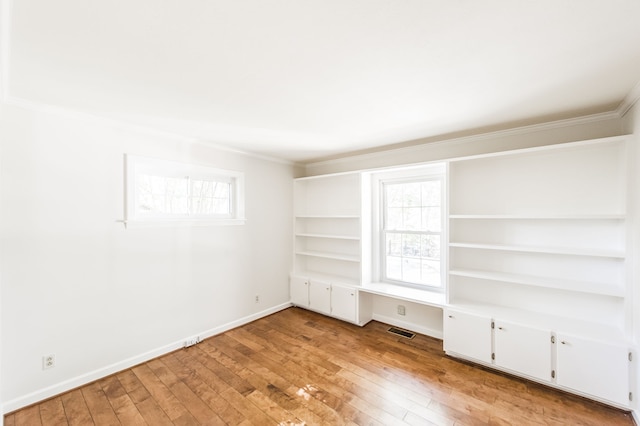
(402, 310)
(191, 342)
(257, 298)
(48, 361)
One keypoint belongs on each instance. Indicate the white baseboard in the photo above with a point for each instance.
(75, 382)
(408, 326)
(636, 417)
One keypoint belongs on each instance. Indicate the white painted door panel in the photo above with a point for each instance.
(595, 368)
(467, 334)
(299, 288)
(524, 350)
(320, 296)
(344, 303)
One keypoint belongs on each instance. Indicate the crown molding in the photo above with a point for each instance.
(629, 101)
(430, 142)
(112, 122)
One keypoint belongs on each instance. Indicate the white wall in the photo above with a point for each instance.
(76, 284)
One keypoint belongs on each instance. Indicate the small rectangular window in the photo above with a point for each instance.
(160, 191)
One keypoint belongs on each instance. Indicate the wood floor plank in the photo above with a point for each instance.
(29, 416)
(162, 395)
(298, 367)
(121, 402)
(76, 409)
(52, 412)
(99, 406)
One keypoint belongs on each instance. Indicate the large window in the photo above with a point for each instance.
(410, 226)
(164, 191)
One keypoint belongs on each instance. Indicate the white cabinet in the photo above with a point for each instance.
(334, 299)
(299, 288)
(320, 296)
(597, 369)
(344, 303)
(523, 350)
(468, 335)
(593, 368)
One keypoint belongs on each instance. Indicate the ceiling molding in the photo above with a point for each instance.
(522, 130)
(112, 122)
(629, 101)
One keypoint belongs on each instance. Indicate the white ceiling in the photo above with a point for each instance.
(305, 79)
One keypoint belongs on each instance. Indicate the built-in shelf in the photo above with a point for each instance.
(545, 250)
(335, 237)
(334, 256)
(555, 283)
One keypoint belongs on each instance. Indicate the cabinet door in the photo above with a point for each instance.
(344, 302)
(320, 296)
(299, 288)
(468, 335)
(595, 368)
(523, 350)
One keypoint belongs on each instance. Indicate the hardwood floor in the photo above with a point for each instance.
(296, 367)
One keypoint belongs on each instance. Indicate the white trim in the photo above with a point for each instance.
(424, 143)
(629, 101)
(408, 326)
(56, 389)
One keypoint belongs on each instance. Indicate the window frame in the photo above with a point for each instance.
(432, 171)
(134, 165)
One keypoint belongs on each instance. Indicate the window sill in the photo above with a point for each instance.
(424, 297)
(180, 223)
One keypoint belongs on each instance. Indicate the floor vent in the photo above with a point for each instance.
(402, 333)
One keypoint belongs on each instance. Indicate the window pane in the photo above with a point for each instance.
(393, 195)
(432, 219)
(431, 195)
(411, 270)
(431, 272)
(394, 218)
(161, 194)
(394, 268)
(430, 246)
(411, 245)
(412, 195)
(394, 244)
(411, 219)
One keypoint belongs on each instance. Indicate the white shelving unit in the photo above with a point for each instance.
(327, 227)
(538, 241)
(328, 246)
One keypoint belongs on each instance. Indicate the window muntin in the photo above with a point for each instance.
(160, 190)
(412, 231)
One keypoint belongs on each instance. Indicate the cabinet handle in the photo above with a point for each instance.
(564, 342)
(450, 316)
(500, 328)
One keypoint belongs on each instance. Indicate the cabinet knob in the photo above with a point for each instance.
(564, 342)
(450, 316)
(500, 328)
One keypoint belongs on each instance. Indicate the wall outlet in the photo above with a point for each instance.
(257, 298)
(402, 310)
(48, 361)
(191, 342)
